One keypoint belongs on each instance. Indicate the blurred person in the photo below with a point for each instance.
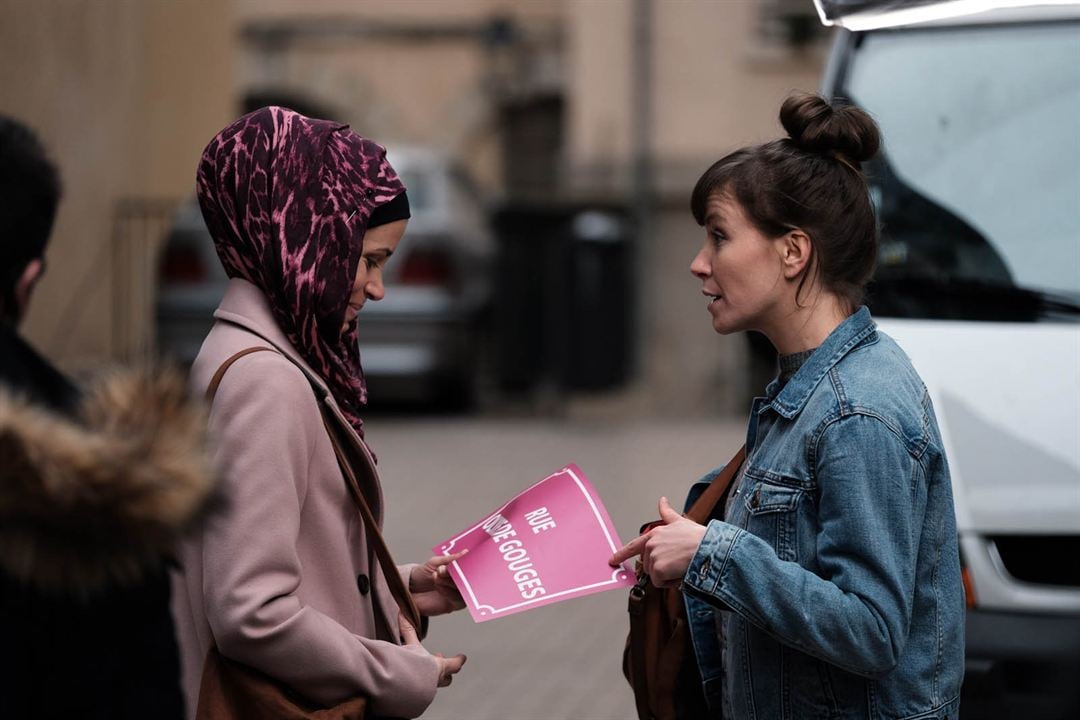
(95, 484)
(827, 583)
(304, 214)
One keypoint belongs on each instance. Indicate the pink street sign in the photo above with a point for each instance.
(550, 543)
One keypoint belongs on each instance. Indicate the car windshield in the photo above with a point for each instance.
(977, 187)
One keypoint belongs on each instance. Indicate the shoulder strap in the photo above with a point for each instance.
(371, 527)
(653, 657)
(719, 486)
(211, 389)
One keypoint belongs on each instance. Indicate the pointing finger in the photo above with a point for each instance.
(629, 550)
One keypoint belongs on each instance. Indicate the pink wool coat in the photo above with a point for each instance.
(279, 575)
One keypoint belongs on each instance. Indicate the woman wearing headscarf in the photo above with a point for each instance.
(304, 214)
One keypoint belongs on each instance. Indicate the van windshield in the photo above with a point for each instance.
(978, 184)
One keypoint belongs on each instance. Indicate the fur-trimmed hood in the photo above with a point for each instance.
(101, 500)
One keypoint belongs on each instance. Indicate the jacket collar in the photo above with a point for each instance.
(245, 305)
(96, 503)
(25, 371)
(793, 397)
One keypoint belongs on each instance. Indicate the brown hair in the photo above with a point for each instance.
(809, 180)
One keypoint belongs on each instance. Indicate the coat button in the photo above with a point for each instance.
(363, 584)
(755, 499)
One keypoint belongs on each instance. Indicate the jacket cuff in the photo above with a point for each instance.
(405, 572)
(707, 566)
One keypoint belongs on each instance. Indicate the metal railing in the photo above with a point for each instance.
(140, 226)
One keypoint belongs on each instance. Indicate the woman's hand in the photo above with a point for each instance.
(666, 550)
(432, 587)
(448, 666)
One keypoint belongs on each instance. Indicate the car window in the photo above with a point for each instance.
(419, 188)
(977, 187)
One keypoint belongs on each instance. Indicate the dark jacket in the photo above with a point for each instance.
(94, 487)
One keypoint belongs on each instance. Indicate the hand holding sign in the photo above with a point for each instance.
(667, 549)
(549, 543)
(432, 588)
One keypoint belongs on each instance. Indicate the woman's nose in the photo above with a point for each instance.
(700, 268)
(374, 289)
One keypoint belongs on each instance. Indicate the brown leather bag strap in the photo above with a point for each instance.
(653, 656)
(699, 512)
(390, 571)
(636, 652)
(215, 381)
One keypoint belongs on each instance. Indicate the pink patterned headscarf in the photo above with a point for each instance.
(287, 200)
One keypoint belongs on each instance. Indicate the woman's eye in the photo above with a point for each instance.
(717, 237)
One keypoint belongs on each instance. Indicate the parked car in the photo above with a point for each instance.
(978, 194)
(422, 341)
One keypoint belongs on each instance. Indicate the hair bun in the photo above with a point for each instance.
(842, 130)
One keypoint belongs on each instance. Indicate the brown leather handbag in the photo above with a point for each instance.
(230, 690)
(659, 635)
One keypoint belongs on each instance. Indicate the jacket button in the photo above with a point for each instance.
(370, 192)
(363, 584)
(755, 499)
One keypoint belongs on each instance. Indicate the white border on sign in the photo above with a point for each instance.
(484, 609)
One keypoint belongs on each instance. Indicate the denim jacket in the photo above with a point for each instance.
(832, 588)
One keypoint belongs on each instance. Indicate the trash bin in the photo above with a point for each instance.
(563, 311)
(529, 252)
(602, 306)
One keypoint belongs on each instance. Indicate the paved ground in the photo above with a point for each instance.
(441, 474)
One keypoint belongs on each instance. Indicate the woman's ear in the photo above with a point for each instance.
(24, 286)
(795, 252)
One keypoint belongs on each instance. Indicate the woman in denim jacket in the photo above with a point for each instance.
(828, 584)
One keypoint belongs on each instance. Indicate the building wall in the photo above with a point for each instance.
(724, 88)
(599, 89)
(716, 84)
(124, 95)
(397, 93)
(395, 70)
(722, 91)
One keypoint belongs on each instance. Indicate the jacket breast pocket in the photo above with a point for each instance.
(772, 514)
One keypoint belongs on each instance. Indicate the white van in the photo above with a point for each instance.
(978, 193)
